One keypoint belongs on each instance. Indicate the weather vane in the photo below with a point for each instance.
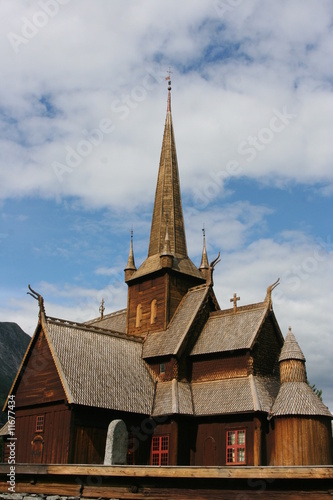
(169, 78)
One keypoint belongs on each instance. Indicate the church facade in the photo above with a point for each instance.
(194, 384)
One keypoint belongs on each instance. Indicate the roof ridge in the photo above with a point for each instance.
(106, 316)
(92, 328)
(190, 290)
(247, 307)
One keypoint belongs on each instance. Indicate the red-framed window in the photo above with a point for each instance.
(236, 447)
(40, 423)
(160, 450)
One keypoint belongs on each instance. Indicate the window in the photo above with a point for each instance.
(138, 316)
(160, 450)
(236, 447)
(40, 423)
(162, 368)
(153, 311)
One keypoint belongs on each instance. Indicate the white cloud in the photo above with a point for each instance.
(232, 69)
(66, 78)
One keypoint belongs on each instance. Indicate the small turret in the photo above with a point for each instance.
(130, 266)
(204, 266)
(292, 361)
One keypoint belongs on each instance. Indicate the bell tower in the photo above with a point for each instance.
(158, 285)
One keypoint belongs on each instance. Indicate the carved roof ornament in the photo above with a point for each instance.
(234, 300)
(102, 309)
(270, 288)
(38, 297)
(212, 265)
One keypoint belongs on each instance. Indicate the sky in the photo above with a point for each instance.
(82, 110)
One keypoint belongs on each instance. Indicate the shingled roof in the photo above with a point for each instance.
(237, 395)
(169, 341)
(100, 369)
(291, 349)
(173, 398)
(115, 321)
(297, 398)
(231, 329)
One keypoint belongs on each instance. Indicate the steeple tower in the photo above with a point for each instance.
(167, 273)
(168, 205)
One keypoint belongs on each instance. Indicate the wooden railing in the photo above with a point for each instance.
(172, 483)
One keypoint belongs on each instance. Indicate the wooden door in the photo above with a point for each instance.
(37, 450)
(209, 451)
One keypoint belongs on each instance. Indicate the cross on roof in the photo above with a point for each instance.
(234, 300)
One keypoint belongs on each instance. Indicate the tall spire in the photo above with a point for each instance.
(168, 206)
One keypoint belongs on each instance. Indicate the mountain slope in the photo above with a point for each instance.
(13, 344)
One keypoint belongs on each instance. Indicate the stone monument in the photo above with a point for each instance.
(116, 443)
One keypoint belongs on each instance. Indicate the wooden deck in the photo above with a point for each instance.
(158, 483)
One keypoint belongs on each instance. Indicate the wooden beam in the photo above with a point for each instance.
(286, 472)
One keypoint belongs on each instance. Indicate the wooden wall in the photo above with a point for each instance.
(144, 292)
(49, 446)
(40, 383)
(167, 289)
(213, 368)
(170, 428)
(266, 351)
(300, 441)
(210, 443)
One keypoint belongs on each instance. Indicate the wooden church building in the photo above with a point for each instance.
(194, 384)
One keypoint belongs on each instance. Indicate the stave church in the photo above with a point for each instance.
(195, 385)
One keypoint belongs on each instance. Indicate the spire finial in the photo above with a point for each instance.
(169, 89)
(102, 309)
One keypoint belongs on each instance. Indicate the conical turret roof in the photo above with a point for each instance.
(291, 349)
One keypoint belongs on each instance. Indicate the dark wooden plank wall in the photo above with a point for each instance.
(144, 293)
(219, 367)
(54, 438)
(266, 351)
(40, 383)
(210, 447)
(167, 289)
(170, 429)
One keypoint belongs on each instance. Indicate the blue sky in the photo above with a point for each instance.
(82, 110)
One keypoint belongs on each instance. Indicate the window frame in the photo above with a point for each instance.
(161, 451)
(39, 425)
(236, 447)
